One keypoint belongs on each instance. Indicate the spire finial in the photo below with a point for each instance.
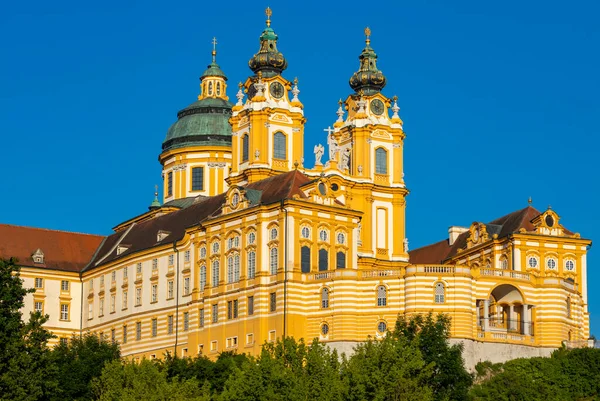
(214, 51)
(155, 203)
(368, 35)
(268, 12)
(156, 191)
(529, 201)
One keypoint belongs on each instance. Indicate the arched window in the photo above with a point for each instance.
(503, 262)
(273, 260)
(236, 268)
(245, 145)
(340, 260)
(381, 296)
(323, 260)
(202, 277)
(218, 89)
(215, 273)
(440, 293)
(210, 88)
(305, 232)
(325, 298)
(305, 259)
(230, 269)
(273, 234)
(381, 161)
(251, 264)
(279, 151)
(381, 327)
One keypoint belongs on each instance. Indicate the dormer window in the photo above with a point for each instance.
(38, 256)
(122, 248)
(162, 235)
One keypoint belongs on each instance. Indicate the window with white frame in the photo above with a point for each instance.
(138, 331)
(305, 232)
(154, 264)
(186, 286)
(186, 321)
(125, 269)
(236, 268)
(569, 265)
(154, 327)
(154, 293)
(381, 296)
(532, 262)
(381, 327)
(215, 273)
(203, 252)
(64, 285)
(201, 318)
(381, 161)
(202, 277)
(124, 299)
(138, 296)
(215, 313)
(273, 260)
(324, 329)
(551, 263)
(323, 236)
(39, 306)
(341, 238)
(64, 312)
(503, 263)
(230, 269)
(215, 247)
(39, 282)
(251, 264)
(440, 293)
(170, 324)
(279, 146)
(171, 260)
(251, 238)
(325, 298)
(138, 268)
(186, 256)
(273, 234)
(170, 289)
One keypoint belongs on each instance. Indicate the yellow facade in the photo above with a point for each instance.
(328, 258)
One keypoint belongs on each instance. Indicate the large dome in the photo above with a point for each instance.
(204, 122)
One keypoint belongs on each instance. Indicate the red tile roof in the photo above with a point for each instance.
(508, 224)
(62, 250)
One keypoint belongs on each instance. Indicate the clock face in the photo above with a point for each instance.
(276, 89)
(377, 107)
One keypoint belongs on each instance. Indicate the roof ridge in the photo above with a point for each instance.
(53, 230)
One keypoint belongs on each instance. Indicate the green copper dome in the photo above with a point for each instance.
(368, 79)
(269, 61)
(204, 122)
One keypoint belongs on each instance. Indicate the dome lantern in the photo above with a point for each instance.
(368, 78)
(269, 61)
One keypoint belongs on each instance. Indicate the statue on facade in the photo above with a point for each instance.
(345, 160)
(319, 150)
(332, 143)
(405, 244)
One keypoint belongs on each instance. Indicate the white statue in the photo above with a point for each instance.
(319, 150)
(333, 146)
(344, 163)
(405, 244)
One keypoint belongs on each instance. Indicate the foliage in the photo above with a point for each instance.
(80, 361)
(26, 373)
(450, 380)
(130, 381)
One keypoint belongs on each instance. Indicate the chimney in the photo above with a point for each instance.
(454, 232)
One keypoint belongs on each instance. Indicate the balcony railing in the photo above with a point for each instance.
(437, 269)
(507, 326)
(504, 273)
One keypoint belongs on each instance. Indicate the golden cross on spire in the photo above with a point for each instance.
(268, 12)
(368, 34)
(214, 51)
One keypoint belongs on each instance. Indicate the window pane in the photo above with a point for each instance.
(245, 145)
(323, 259)
(305, 259)
(197, 178)
(279, 151)
(170, 183)
(381, 161)
(341, 260)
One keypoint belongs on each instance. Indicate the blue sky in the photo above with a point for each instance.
(499, 101)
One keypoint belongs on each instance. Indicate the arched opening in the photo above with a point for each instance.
(505, 311)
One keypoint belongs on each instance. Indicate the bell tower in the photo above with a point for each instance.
(268, 126)
(365, 148)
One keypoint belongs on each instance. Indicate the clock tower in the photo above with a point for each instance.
(267, 123)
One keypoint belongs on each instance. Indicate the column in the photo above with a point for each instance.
(486, 312)
(526, 319)
(512, 323)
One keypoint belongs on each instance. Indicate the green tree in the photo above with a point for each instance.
(26, 372)
(79, 361)
(388, 369)
(450, 380)
(130, 381)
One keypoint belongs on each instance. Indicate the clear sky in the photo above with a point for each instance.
(499, 101)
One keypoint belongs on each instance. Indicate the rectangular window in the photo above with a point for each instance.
(113, 276)
(250, 339)
(138, 331)
(340, 260)
(138, 296)
(251, 305)
(235, 308)
(155, 264)
(138, 268)
(170, 289)
(125, 269)
(125, 334)
(305, 259)
(201, 318)
(154, 292)
(213, 346)
(154, 327)
(101, 307)
(251, 264)
(186, 286)
(113, 302)
(113, 337)
(197, 178)
(229, 309)
(202, 277)
(64, 312)
(170, 324)
(273, 301)
(170, 183)
(279, 146)
(186, 321)
(64, 285)
(124, 299)
(215, 313)
(380, 161)
(272, 336)
(171, 260)
(245, 145)
(39, 282)
(186, 256)
(39, 306)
